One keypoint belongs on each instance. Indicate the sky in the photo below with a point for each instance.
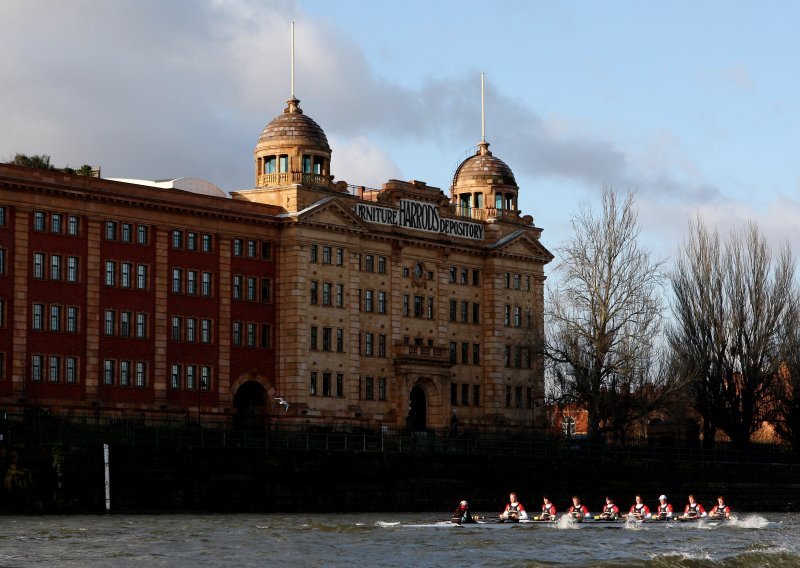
(692, 105)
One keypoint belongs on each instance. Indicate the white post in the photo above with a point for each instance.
(108, 478)
(483, 112)
(292, 59)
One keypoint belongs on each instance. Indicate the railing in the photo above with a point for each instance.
(289, 178)
(422, 352)
(508, 215)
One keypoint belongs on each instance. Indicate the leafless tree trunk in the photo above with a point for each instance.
(731, 332)
(786, 419)
(604, 315)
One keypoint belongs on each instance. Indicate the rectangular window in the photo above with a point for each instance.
(111, 273)
(313, 292)
(405, 304)
(312, 386)
(326, 384)
(476, 313)
(251, 249)
(238, 284)
(465, 353)
(266, 290)
(266, 250)
(517, 316)
(175, 376)
(36, 368)
(430, 308)
(476, 354)
(327, 256)
(453, 394)
(464, 312)
(518, 357)
(127, 233)
(38, 221)
(238, 247)
(110, 322)
(141, 234)
(72, 268)
(516, 282)
(177, 325)
(205, 288)
(111, 230)
(518, 397)
(71, 370)
(141, 276)
(339, 295)
(508, 280)
(370, 389)
(313, 337)
(73, 225)
(326, 293)
(191, 330)
(369, 263)
(38, 265)
(418, 300)
(37, 322)
(191, 282)
(381, 345)
(55, 266)
(339, 257)
(508, 396)
(265, 335)
(382, 388)
(252, 282)
(506, 315)
(141, 374)
(528, 282)
(177, 239)
(312, 253)
(141, 326)
(339, 384)
(529, 397)
(108, 371)
(55, 318)
(453, 309)
(465, 395)
(177, 280)
(453, 352)
(340, 341)
(125, 273)
(453, 274)
(2, 261)
(382, 264)
(191, 240)
(476, 277)
(205, 331)
(125, 373)
(205, 378)
(507, 358)
(327, 334)
(55, 368)
(191, 376)
(369, 344)
(368, 300)
(3, 214)
(208, 244)
(72, 319)
(464, 276)
(251, 334)
(125, 321)
(476, 395)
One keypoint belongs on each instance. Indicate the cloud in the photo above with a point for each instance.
(359, 162)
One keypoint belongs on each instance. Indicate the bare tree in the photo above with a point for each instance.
(731, 333)
(604, 316)
(786, 397)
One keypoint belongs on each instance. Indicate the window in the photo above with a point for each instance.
(405, 304)
(529, 397)
(191, 282)
(125, 321)
(476, 395)
(313, 337)
(476, 313)
(127, 233)
(175, 376)
(238, 247)
(238, 282)
(38, 220)
(476, 354)
(71, 375)
(508, 396)
(125, 373)
(207, 243)
(177, 239)
(507, 315)
(191, 240)
(464, 276)
(72, 319)
(314, 286)
(327, 257)
(251, 249)
(36, 368)
(516, 282)
(205, 286)
(339, 257)
(327, 333)
(56, 223)
(55, 318)
(453, 274)
(517, 316)
(266, 250)
(191, 376)
(205, 377)
(453, 352)
(55, 368)
(191, 330)
(418, 306)
(125, 270)
(381, 302)
(271, 165)
(430, 308)
(518, 397)
(382, 388)
(464, 312)
(111, 273)
(326, 293)
(340, 341)
(369, 263)
(177, 325)
(507, 357)
(453, 394)
(38, 317)
(465, 395)
(205, 331)
(453, 309)
(177, 280)
(528, 282)
(369, 344)
(72, 268)
(266, 290)
(465, 353)
(141, 276)
(339, 295)
(368, 300)
(111, 230)
(508, 280)
(381, 345)
(283, 163)
(370, 389)
(2, 320)
(313, 253)
(73, 226)
(38, 265)
(518, 357)
(108, 371)
(251, 334)
(56, 262)
(2, 261)
(252, 282)
(339, 384)
(265, 335)
(141, 234)
(326, 384)
(312, 387)
(141, 326)
(141, 374)
(476, 277)
(382, 264)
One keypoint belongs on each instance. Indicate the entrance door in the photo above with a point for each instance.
(249, 404)
(417, 419)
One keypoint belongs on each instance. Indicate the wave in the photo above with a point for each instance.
(777, 558)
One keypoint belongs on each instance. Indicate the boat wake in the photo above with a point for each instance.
(566, 523)
(749, 522)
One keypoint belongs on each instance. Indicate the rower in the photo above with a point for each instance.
(578, 511)
(694, 510)
(514, 510)
(462, 514)
(720, 510)
(664, 509)
(548, 510)
(610, 511)
(639, 510)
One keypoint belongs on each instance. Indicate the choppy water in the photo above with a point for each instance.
(353, 540)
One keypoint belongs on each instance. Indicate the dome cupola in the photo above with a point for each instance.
(484, 187)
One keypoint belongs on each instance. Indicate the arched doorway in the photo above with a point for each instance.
(249, 402)
(417, 411)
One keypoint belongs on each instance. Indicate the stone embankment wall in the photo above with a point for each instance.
(58, 479)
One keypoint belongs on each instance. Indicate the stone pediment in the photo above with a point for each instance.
(520, 243)
(331, 212)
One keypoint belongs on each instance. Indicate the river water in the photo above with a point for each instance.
(409, 539)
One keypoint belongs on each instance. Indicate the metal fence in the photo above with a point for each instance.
(36, 428)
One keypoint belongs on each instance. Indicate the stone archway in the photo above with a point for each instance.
(250, 405)
(418, 409)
